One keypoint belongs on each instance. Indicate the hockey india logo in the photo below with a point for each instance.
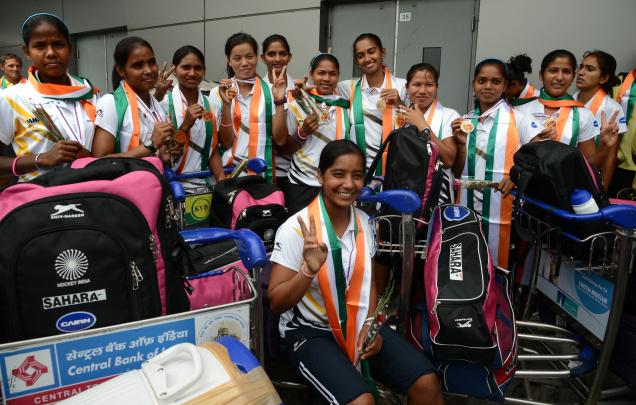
(71, 264)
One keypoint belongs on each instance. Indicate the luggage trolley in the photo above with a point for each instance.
(195, 205)
(588, 293)
(53, 368)
(406, 203)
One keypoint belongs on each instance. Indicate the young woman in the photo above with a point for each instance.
(573, 124)
(130, 122)
(253, 112)
(427, 112)
(312, 132)
(276, 56)
(625, 175)
(11, 66)
(322, 284)
(374, 97)
(194, 114)
(69, 101)
(519, 90)
(595, 80)
(486, 153)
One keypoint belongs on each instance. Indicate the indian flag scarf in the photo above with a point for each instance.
(301, 110)
(358, 119)
(627, 98)
(4, 83)
(496, 212)
(529, 93)
(594, 105)
(259, 132)
(347, 305)
(177, 115)
(568, 125)
(82, 90)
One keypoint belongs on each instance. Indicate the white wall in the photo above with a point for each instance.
(536, 27)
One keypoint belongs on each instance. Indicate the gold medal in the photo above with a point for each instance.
(380, 104)
(550, 122)
(231, 92)
(467, 127)
(208, 116)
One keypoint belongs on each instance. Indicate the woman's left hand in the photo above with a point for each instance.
(609, 131)
(164, 83)
(391, 96)
(279, 84)
(373, 348)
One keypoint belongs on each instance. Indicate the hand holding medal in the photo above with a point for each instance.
(227, 90)
(458, 133)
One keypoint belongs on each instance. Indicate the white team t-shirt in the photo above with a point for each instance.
(27, 136)
(288, 252)
(608, 107)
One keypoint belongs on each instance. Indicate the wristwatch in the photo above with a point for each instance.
(150, 146)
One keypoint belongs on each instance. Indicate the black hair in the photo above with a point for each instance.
(334, 149)
(186, 50)
(607, 64)
(558, 53)
(235, 40)
(315, 61)
(518, 67)
(8, 56)
(275, 38)
(122, 51)
(422, 67)
(490, 62)
(31, 23)
(369, 36)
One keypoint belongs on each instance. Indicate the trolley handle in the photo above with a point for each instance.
(257, 165)
(622, 216)
(178, 192)
(250, 246)
(403, 201)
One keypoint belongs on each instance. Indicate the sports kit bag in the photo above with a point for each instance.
(463, 316)
(249, 202)
(549, 171)
(412, 164)
(214, 274)
(86, 247)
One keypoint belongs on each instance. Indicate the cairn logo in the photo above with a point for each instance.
(67, 211)
(464, 322)
(74, 321)
(455, 262)
(455, 212)
(30, 371)
(71, 264)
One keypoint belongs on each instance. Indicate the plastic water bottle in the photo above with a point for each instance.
(583, 202)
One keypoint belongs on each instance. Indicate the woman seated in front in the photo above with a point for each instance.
(323, 285)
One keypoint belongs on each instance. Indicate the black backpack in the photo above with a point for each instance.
(412, 164)
(249, 202)
(84, 255)
(549, 171)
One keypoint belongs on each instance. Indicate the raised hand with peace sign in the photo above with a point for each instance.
(314, 251)
(279, 85)
(164, 83)
(609, 131)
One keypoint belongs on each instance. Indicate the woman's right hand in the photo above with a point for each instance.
(160, 133)
(62, 152)
(460, 136)
(227, 91)
(314, 251)
(193, 113)
(310, 124)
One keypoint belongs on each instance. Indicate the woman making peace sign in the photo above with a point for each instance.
(323, 284)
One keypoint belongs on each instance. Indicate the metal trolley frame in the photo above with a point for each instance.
(610, 255)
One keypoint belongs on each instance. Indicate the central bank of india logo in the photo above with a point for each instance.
(71, 264)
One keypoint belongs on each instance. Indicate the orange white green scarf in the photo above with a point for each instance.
(568, 125)
(83, 92)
